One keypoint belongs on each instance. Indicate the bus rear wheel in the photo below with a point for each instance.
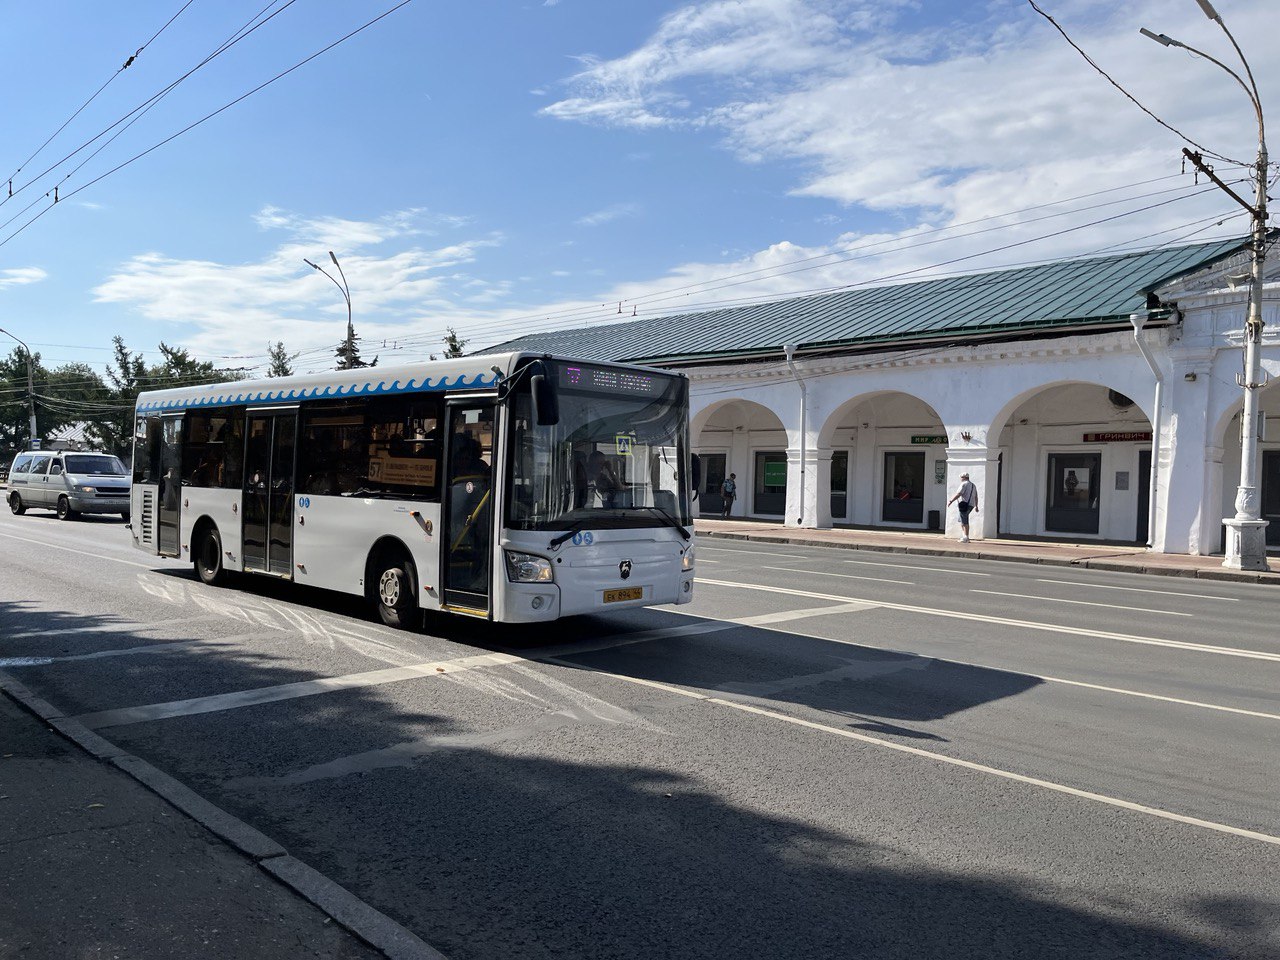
(397, 595)
(208, 557)
(16, 504)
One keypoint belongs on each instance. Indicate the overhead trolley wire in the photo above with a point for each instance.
(136, 114)
(210, 116)
(127, 63)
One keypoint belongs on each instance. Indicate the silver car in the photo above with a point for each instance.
(69, 483)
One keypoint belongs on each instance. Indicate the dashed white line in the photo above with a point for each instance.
(942, 758)
(1163, 593)
(1083, 603)
(843, 576)
(1009, 622)
(912, 566)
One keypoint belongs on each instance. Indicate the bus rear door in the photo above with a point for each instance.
(267, 505)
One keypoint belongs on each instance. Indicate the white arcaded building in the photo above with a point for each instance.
(1047, 385)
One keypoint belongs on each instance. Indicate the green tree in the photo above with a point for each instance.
(68, 394)
(128, 375)
(348, 352)
(454, 345)
(281, 360)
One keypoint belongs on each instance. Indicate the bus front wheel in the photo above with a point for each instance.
(397, 596)
(208, 557)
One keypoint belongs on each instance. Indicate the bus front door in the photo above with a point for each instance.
(468, 514)
(267, 507)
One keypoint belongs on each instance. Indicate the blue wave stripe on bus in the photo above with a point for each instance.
(412, 385)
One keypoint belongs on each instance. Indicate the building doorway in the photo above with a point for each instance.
(903, 488)
(1271, 495)
(771, 483)
(1074, 492)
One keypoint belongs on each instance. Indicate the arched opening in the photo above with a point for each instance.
(1228, 433)
(1074, 460)
(745, 441)
(888, 461)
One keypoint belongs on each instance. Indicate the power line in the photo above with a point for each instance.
(128, 63)
(1092, 63)
(138, 112)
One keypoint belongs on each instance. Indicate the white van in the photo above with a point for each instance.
(69, 483)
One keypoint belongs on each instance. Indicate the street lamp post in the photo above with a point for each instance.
(1246, 531)
(31, 389)
(346, 290)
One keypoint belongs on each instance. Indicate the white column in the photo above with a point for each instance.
(980, 463)
(813, 477)
(864, 507)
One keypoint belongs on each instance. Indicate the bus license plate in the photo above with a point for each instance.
(626, 593)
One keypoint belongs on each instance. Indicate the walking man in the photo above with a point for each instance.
(968, 497)
(729, 491)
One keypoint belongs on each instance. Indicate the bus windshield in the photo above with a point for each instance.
(616, 458)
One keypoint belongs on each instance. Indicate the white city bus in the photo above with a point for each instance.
(512, 487)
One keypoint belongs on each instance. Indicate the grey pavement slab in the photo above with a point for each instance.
(94, 865)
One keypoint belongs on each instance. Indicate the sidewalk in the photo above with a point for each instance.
(95, 864)
(1127, 558)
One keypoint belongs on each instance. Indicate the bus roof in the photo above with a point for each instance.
(462, 373)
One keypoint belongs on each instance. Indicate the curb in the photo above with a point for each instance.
(373, 927)
(1090, 563)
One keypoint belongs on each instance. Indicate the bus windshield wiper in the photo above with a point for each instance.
(671, 521)
(573, 530)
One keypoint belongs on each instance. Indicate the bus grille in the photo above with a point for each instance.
(147, 529)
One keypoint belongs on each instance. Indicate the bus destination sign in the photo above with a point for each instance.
(608, 380)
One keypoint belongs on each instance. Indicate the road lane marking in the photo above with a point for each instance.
(818, 611)
(784, 616)
(1163, 593)
(112, 628)
(702, 559)
(1009, 622)
(754, 553)
(940, 757)
(83, 553)
(843, 576)
(1084, 603)
(371, 678)
(913, 566)
(288, 691)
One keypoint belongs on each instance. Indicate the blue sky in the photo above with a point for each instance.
(501, 167)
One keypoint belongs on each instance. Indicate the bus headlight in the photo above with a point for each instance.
(686, 561)
(526, 568)
(85, 489)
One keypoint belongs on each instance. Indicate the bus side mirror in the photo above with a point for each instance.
(697, 471)
(546, 404)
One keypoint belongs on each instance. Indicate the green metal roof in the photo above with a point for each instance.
(1052, 296)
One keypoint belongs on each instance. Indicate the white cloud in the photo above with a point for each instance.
(21, 276)
(221, 309)
(615, 212)
(883, 113)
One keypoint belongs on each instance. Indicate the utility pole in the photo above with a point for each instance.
(34, 439)
(1246, 531)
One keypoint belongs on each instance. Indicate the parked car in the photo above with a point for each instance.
(69, 483)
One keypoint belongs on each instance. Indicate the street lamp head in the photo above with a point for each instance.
(311, 265)
(1159, 38)
(334, 259)
(1209, 12)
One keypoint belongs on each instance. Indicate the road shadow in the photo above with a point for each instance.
(545, 826)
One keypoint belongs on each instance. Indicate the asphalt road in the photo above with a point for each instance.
(828, 754)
